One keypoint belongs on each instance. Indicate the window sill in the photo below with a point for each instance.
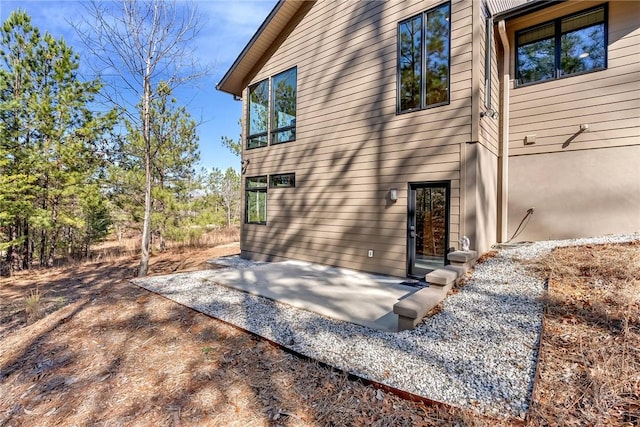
(413, 110)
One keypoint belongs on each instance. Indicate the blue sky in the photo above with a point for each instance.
(228, 26)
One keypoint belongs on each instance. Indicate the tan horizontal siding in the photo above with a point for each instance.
(529, 124)
(308, 174)
(385, 226)
(577, 85)
(370, 193)
(365, 91)
(294, 244)
(346, 123)
(377, 104)
(578, 144)
(607, 100)
(607, 133)
(344, 36)
(395, 220)
(363, 185)
(351, 147)
(618, 127)
(358, 162)
(339, 150)
(591, 96)
(626, 44)
(361, 75)
(559, 115)
(320, 174)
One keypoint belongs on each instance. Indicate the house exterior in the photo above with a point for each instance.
(377, 134)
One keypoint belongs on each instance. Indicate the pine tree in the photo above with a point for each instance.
(50, 141)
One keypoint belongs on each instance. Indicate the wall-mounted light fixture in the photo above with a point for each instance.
(243, 165)
(393, 194)
(489, 113)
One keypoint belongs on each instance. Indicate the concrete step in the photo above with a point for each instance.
(414, 307)
(462, 257)
(460, 270)
(441, 277)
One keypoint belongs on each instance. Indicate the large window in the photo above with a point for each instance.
(424, 59)
(283, 119)
(567, 46)
(256, 200)
(272, 119)
(258, 114)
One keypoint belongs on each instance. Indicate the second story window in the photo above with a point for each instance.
(271, 110)
(571, 45)
(424, 59)
(258, 114)
(283, 118)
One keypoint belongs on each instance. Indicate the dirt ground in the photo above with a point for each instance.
(98, 350)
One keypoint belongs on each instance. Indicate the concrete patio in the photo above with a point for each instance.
(337, 293)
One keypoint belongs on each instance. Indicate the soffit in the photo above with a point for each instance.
(510, 9)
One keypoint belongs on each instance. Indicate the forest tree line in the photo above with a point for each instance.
(75, 168)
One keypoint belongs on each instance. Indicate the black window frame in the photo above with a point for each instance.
(272, 112)
(264, 134)
(423, 67)
(557, 39)
(249, 191)
(292, 180)
(270, 133)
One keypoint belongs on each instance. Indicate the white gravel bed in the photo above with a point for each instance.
(479, 352)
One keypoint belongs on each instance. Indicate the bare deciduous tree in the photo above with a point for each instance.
(135, 45)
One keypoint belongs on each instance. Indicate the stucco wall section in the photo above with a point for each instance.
(575, 194)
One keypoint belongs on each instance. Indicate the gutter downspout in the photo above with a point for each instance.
(503, 154)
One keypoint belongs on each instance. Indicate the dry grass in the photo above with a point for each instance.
(126, 247)
(590, 361)
(110, 353)
(33, 306)
(487, 255)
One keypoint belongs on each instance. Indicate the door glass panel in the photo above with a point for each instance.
(428, 228)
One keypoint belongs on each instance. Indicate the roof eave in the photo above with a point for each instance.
(262, 42)
(222, 85)
(524, 9)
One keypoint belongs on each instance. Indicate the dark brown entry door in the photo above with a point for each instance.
(428, 227)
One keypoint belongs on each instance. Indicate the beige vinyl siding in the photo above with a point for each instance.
(351, 147)
(608, 100)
